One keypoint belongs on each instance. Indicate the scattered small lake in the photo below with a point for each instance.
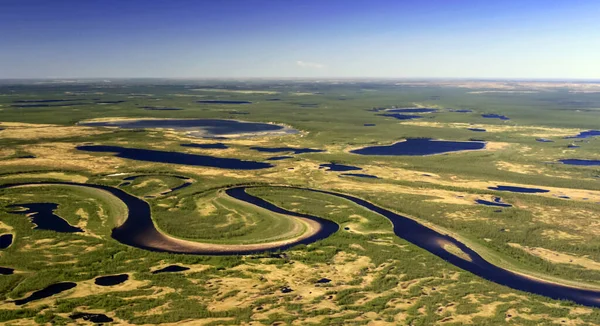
(46, 292)
(369, 125)
(42, 215)
(495, 116)
(6, 271)
(544, 140)
(400, 116)
(572, 146)
(286, 150)
(586, 134)
(6, 240)
(519, 189)
(477, 129)
(279, 158)
(496, 203)
(207, 146)
(460, 110)
(360, 175)
(574, 161)
(420, 147)
(222, 102)
(204, 127)
(41, 105)
(94, 318)
(412, 110)
(109, 102)
(111, 280)
(338, 167)
(171, 269)
(148, 155)
(323, 281)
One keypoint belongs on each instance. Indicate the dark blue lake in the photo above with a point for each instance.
(338, 167)
(42, 215)
(495, 116)
(91, 317)
(293, 150)
(149, 155)
(222, 102)
(6, 271)
(211, 127)
(6, 240)
(519, 189)
(111, 280)
(412, 110)
(419, 147)
(207, 146)
(477, 129)
(574, 161)
(46, 292)
(585, 134)
(496, 203)
(109, 102)
(400, 116)
(369, 125)
(171, 269)
(572, 146)
(41, 105)
(544, 140)
(460, 110)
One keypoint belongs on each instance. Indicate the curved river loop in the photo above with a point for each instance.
(138, 230)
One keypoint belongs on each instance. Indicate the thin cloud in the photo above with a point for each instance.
(310, 64)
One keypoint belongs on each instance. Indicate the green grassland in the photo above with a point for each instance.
(376, 277)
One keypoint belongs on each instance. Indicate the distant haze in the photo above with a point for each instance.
(530, 39)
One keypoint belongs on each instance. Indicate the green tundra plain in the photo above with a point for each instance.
(376, 278)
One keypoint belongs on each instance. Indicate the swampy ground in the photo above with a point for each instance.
(376, 277)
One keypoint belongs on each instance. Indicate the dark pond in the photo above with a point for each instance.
(360, 175)
(323, 281)
(564, 197)
(279, 158)
(461, 110)
(369, 125)
(338, 167)
(519, 189)
(171, 269)
(212, 127)
(6, 271)
(94, 318)
(156, 108)
(286, 149)
(400, 116)
(207, 146)
(6, 240)
(273, 99)
(495, 116)
(544, 140)
(42, 215)
(110, 280)
(420, 146)
(222, 102)
(497, 202)
(572, 146)
(286, 289)
(586, 134)
(574, 161)
(149, 155)
(412, 110)
(46, 292)
(477, 129)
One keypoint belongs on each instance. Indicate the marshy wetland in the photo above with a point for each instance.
(298, 214)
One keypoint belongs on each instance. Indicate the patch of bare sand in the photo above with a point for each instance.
(14, 130)
(49, 175)
(558, 257)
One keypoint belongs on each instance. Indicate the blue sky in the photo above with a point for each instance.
(300, 38)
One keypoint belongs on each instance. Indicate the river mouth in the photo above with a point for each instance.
(202, 128)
